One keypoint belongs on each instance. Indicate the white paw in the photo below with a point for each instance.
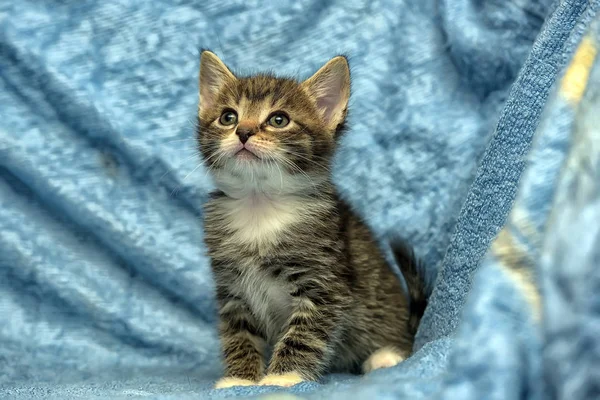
(285, 380)
(230, 382)
(383, 358)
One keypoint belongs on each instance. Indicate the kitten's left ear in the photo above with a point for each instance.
(214, 74)
(330, 88)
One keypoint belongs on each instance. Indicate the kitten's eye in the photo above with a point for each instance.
(228, 118)
(279, 120)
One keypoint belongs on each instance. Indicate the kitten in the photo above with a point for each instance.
(296, 270)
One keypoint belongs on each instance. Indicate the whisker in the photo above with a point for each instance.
(295, 167)
(305, 158)
(197, 166)
(180, 140)
(175, 191)
(196, 154)
(220, 154)
(296, 141)
(274, 161)
(194, 123)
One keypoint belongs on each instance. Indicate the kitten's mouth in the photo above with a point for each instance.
(245, 154)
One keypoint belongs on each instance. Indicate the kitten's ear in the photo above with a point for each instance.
(330, 88)
(213, 75)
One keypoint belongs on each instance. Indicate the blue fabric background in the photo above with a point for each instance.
(105, 290)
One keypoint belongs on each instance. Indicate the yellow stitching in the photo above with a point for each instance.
(516, 264)
(575, 80)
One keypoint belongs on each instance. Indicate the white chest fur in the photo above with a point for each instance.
(257, 214)
(259, 221)
(268, 298)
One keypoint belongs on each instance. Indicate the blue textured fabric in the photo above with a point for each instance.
(105, 290)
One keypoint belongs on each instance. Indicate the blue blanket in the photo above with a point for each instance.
(474, 133)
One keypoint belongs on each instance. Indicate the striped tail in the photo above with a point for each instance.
(412, 269)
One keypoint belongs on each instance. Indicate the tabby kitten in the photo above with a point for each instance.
(296, 270)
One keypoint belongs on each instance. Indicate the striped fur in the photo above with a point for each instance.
(296, 270)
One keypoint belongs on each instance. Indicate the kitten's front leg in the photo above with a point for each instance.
(243, 347)
(305, 349)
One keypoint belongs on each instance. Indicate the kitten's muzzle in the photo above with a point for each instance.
(244, 134)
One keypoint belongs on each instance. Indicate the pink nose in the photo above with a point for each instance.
(244, 134)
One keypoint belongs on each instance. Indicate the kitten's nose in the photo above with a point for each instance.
(244, 134)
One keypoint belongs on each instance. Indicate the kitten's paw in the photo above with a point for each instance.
(285, 380)
(230, 382)
(383, 358)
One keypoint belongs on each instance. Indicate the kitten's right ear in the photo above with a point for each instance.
(213, 75)
(330, 88)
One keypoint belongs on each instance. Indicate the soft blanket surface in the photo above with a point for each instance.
(105, 291)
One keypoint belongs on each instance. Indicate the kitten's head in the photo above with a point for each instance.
(267, 133)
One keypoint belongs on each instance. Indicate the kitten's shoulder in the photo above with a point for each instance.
(345, 209)
(352, 224)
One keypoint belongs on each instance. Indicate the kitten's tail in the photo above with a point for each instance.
(412, 269)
